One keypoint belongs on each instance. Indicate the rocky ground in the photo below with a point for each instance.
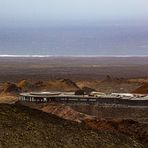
(61, 110)
(24, 127)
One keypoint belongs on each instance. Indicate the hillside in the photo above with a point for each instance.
(51, 85)
(142, 90)
(62, 85)
(25, 85)
(125, 126)
(10, 88)
(25, 127)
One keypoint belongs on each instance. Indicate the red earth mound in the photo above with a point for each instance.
(11, 88)
(52, 85)
(60, 110)
(65, 112)
(25, 85)
(142, 90)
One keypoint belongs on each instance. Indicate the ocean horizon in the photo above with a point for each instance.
(75, 56)
(101, 41)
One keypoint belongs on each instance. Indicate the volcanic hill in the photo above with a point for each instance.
(21, 126)
(142, 90)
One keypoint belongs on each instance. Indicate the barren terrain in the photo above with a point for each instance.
(75, 68)
(111, 127)
(24, 127)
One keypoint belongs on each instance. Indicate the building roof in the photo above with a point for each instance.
(72, 95)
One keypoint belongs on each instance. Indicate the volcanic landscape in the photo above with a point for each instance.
(63, 125)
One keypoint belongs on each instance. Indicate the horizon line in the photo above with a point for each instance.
(46, 56)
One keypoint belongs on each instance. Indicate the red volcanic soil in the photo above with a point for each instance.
(142, 90)
(60, 110)
(10, 88)
(65, 112)
(22, 126)
(127, 127)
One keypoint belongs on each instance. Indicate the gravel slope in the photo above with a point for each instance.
(24, 127)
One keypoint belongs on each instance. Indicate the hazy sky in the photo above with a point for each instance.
(47, 10)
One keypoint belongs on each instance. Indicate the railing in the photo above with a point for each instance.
(85, 100)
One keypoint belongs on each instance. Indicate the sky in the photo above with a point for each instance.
(33, 11)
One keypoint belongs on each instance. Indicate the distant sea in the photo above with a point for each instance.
(109, 40)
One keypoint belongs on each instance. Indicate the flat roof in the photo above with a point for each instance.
(72, 95)
(54, 94)
(45, 93)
